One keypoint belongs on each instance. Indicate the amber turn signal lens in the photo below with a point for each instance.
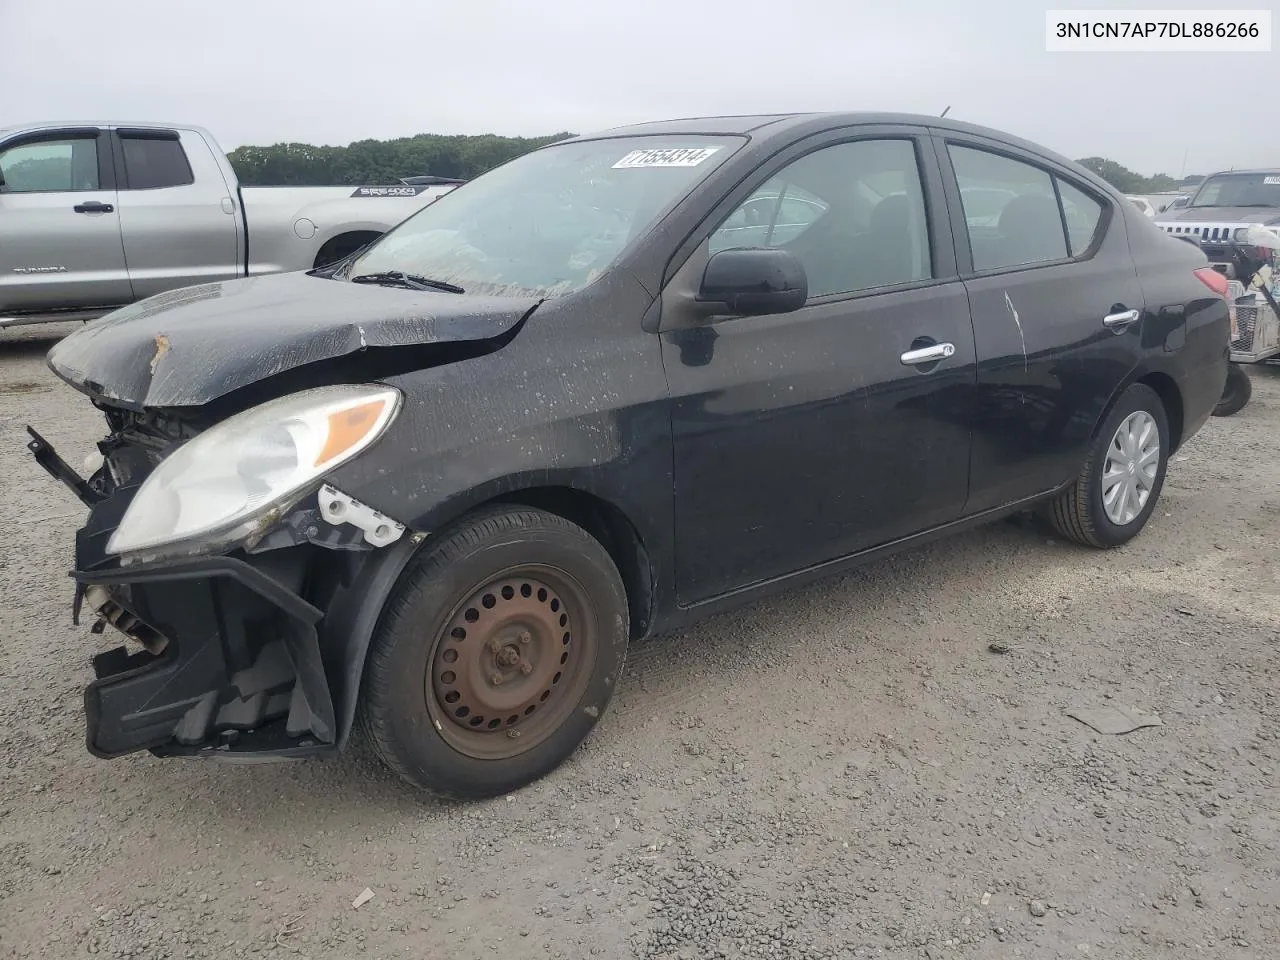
(348, 427)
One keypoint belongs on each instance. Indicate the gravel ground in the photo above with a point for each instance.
(846, 771)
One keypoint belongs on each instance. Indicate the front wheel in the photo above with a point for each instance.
(1236, 393)
(1120, 482)
(498, 651)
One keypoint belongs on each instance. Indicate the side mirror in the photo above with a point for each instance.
(753, 282)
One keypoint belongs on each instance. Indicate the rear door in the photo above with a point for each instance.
(59, 223)
(177, 217)
(1057, 311)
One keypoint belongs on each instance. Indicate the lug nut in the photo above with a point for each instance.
(524, 636)
(495, 645)
(526, 668)
(496, 679)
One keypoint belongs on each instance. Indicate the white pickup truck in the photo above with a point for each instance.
(97, 216)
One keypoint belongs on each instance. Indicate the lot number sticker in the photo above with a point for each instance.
(669, 157)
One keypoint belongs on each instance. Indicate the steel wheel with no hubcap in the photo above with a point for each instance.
(1130, 469)
(510, 663)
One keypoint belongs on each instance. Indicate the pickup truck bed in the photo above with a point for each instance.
(97, 216)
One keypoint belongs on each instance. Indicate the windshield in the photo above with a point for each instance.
(1239, 190)
(550, 222)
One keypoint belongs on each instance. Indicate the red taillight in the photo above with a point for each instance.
(1214, 280)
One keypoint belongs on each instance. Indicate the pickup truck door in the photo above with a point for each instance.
(178, 215)
(59, 224)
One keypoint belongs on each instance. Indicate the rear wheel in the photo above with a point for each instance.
(1120, 482)
(1236, 393)
(498, 652)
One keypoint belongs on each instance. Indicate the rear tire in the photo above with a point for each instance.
(497, 652)
(1119, 485)
(1236, 392)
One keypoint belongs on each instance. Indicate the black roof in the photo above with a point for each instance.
(767, 126)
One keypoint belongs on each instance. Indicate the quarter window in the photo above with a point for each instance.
(852, 213)
(1083, 214)
(151, 163)
(51, 166)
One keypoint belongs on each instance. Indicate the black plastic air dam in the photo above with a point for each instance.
(243, 652)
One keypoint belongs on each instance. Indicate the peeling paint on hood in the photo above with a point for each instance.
(193, 345)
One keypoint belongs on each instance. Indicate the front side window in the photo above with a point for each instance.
(1239, 190)
(853, 214)
(151, 163)
(550, 222)
(1010, 210)
(51, 166)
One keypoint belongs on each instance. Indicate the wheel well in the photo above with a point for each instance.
(1171, 397)
(613, 529)
(335, 248)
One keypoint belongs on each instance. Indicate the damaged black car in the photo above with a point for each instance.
(435, 490)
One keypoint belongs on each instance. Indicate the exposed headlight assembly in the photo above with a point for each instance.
(234, 481)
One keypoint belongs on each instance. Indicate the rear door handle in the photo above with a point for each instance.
(93, 206)
(1118, 321)
(929, 354)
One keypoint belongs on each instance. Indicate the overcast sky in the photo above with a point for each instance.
(324, 71)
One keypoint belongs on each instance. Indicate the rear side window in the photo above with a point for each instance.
(47, 166)
(1010, 209)
(150, 163)
(1083, 214)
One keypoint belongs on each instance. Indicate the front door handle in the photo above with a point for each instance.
(1118, 321)
(93, 206)
(930, 354)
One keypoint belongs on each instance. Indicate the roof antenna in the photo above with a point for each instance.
(944, 112)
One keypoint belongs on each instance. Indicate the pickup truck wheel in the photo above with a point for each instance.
(1119, 485)
(497, 652)
(1236, 392)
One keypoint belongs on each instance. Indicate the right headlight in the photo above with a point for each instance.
(234, 480)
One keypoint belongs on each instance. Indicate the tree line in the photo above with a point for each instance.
(380, 162)
(1126, 181)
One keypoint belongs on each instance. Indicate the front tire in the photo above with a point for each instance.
(1236, 392)
(498, 651)
(1119, 485)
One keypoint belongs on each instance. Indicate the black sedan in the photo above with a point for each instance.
(615, 385)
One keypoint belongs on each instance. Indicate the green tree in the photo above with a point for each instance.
(379, 162)
(1126, 181)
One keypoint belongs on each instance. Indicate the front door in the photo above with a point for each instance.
(805, 437)
(1057, 313)
(60, 241)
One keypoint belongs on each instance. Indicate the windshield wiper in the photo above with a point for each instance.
(410, 281)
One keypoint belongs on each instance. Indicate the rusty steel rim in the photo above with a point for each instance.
(511, 663)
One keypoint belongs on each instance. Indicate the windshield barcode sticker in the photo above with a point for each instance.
(669, 157)
(1271, 180)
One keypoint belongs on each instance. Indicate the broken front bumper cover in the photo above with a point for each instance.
(212, 681)
(235, 660)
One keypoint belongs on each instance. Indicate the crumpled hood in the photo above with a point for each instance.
(193, 345)
(1264, 215)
